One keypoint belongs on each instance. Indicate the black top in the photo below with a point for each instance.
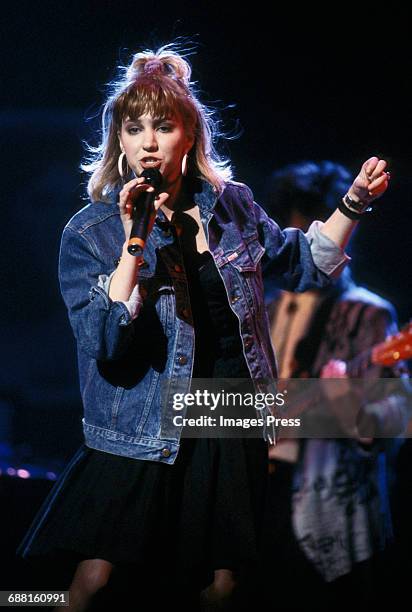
(218, 345)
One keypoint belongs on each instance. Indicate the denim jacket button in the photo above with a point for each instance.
(248, 344)
(182, 360)
(234, 299)
(165, 452)
(178, 268)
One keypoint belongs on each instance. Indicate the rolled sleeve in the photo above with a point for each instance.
(327, 256)
(133, 304)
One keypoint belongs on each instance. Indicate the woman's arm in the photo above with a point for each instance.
(371, 182)
(293, 260)
(102, 326)
(125, 279)
(298, 261)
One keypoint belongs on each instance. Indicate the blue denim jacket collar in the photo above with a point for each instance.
(206, 198)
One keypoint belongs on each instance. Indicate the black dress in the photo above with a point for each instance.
(204, 511)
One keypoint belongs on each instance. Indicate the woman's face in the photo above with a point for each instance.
(155, 143)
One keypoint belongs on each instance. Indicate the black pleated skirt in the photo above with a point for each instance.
(202, 513)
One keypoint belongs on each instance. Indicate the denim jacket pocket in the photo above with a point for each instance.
(106, 397)
(248, 279)
(247, 256)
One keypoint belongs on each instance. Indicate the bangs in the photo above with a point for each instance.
(148, 98)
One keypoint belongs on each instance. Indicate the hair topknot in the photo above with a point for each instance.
(164, 62)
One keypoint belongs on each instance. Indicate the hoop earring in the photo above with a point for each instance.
(184, 165)
(120, 164)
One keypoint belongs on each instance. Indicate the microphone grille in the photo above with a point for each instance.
(153, 176)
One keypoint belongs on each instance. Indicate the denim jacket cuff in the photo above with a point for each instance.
(327, 256)
(134, 302)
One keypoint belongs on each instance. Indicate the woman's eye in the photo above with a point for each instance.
(165, 128)
(133, 130)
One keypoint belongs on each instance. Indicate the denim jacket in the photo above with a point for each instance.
(125, 358)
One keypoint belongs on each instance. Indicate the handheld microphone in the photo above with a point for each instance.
(142, 211)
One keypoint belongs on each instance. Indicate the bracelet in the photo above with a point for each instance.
(359, 207)
(354, 216)
(141, 263)
(351, 209)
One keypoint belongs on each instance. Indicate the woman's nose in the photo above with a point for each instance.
(149, 141)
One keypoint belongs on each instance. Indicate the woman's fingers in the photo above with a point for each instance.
(134, 183)
(161, 199)
(372, 180)
(137, 185)
(128, 186)
(369, 166)
(377, 171)
(379, 185)
(378, 178)
(373, 168)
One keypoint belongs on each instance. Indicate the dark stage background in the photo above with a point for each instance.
(297, 86)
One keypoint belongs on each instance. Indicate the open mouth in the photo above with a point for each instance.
(150, 162)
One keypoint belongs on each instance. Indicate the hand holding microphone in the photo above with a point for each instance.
(138, 203)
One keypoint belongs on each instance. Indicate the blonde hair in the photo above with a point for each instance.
(157, 83)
